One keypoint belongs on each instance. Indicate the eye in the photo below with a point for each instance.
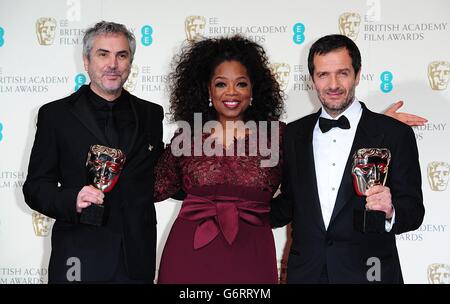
(242, 84)
(113, 167)
(220, 84)
(113, 170)
(365, 168)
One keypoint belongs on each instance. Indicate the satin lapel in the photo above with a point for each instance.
(306, 167)
(81, 110)
(367, 136)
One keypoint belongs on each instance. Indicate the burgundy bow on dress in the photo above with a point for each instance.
(221, 214)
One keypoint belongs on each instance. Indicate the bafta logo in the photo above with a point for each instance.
(438, 273)
(194, 27)
(281, 72)
(41, 224)
(45, 30)
(130, 85)
(439, 74)
(349, 25)
(370, 167)
(438, 174)
(104, 165)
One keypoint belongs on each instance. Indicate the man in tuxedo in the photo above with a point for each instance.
(317, 193)
(123, 247)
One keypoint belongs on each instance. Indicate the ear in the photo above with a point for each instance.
(85, 63)
(313, 83)
(358, 76)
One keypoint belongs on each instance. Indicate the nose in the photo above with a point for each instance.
(231, 90)
(352, 27)
(334, 83)
(112, 63)
(103, 171)
(373, 176)
(377, 174)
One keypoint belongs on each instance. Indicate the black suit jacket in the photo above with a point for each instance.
(66, 129)
(343, 250)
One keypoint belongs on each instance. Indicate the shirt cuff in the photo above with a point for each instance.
(389, 223)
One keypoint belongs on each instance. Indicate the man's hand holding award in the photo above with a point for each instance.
(369, 170)
(103, 166)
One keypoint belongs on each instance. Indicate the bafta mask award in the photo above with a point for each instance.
(370, 168)
(103, 165)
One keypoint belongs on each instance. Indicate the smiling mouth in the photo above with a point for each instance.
(109, 76)
(334, 94)
(231, 104)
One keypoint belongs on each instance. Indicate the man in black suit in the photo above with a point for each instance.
(123, 248)
(317, 193)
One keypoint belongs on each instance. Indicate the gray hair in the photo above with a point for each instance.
(102, 28)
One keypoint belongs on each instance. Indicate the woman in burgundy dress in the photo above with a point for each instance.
(222, 233)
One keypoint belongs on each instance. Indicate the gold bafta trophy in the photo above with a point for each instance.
(370, 168)
(103, 165)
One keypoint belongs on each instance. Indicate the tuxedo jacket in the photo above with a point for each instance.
(342, 251)
(66, 129)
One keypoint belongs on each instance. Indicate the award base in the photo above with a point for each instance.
(369, 221)
(92, 215)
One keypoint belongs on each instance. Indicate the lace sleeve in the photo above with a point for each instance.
(167, 176)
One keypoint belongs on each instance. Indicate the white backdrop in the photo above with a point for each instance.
(398, 41)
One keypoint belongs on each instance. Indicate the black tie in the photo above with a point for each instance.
(326, 125)
(110, 128)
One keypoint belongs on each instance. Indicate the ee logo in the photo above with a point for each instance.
(386, 82)
(2, 40)
(1, 131)
(80, 79)
(146, 32)
(299, 33)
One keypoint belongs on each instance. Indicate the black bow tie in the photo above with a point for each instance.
(326, 125)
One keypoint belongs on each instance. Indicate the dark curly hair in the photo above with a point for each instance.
(194, 67)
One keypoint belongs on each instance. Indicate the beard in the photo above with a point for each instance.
(336, 109)
(112, 88)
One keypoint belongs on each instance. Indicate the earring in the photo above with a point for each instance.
(210, 102)
(251, 99)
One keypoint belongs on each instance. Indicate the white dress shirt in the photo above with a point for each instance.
(331, 151)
